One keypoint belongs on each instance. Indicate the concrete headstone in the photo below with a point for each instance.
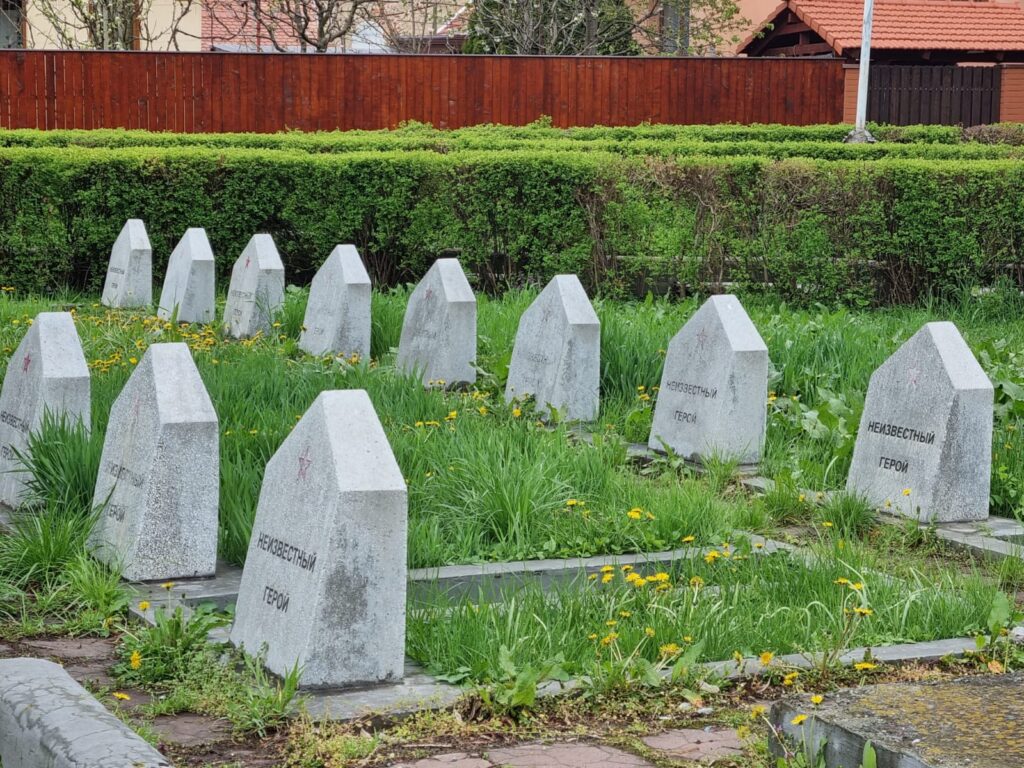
(924, 447)
(47, 373)
(256, 292)
(338, 313)
(439, 332)
(557, 353)
(325, 576)
(158, 482)
(713, 396)
(129, 280)
(189, 285)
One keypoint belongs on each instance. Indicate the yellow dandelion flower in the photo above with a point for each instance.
(841, 581)
(121, 696)
(167, 585)
(625, 614)
(135, 661)
(668, 649)
(696, 582)
(610, 638)
(689, 539)
(766, 658)
(482, 410)
(572, 502)
(856, 586)
(864, 666)
(517, 412)
(144, 605)
(906, 491)
(592, 636)
(827, 523)
(757, 711)
(816, 699)
(611, 623)
(635, 513)
(799, 720)
(649, 631)
(452, 416)
(607, 578)
(863, 611)
(607, 568)
(790, 678)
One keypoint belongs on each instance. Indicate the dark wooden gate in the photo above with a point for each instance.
(910, 95)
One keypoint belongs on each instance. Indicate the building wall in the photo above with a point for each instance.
(1011, 96)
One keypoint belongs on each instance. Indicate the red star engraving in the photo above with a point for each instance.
(702, 338)
(429, 294)
(304, 463)
(26, 363)
(246, 262)
(914, 375)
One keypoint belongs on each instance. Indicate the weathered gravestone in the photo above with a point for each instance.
(256, 292)
(714, 387)
(189, 284)
(338, 313)
(439, 332)
(129, 280)
(325, 576)
(158, 484)
(924, 447)
(557, 353)
(47, 373)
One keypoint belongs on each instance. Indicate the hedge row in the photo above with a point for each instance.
(424, 136)
(815, 230)
(456, 141)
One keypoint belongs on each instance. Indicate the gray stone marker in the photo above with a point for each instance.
(47, 373)
(47, 719)
(129, 280)
(439, 332)
(924, 447)
(325, 575)
(190, 283)
(557, 354)
(337, 317)
(713, 396)
(158, 483)
(256, 291)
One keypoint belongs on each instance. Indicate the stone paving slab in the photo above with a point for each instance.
(971, 722)
(701, 745)
(564, 755)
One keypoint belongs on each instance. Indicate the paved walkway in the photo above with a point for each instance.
(705, 746)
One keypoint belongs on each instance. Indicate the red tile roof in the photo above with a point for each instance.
(946, 25)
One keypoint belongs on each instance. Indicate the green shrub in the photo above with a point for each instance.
(812, 230)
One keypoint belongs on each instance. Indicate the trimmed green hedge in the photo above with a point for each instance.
(816, 230)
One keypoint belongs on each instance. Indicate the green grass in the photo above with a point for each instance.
(745, 603)
(488, 485)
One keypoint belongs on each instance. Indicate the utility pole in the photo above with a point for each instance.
(860, 133)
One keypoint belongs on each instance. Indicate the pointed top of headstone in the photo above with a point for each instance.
(452, 281)
(129, 280)
(351, 264)
(736, 324)
(574, 301)
(961, 366)
(263, 251)
(46, 373)
(189, 285)
(330, 525)
(924, 446)
(158, 484)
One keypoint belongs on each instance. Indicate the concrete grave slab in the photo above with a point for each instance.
(256, 291)
(924, 447)
(158, 485)
(713, 397)
(46, 374)
(337, 320)
(972, 722)
(439, 331)
(190, 283)
(129, 282)
(46, 718)
(557, 353)
(324, 582)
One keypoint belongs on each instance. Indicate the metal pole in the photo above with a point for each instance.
(860, 134)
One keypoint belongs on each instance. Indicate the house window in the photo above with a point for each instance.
(11, 24)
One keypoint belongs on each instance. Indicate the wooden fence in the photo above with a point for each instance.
(220, 92)
(946, 95)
